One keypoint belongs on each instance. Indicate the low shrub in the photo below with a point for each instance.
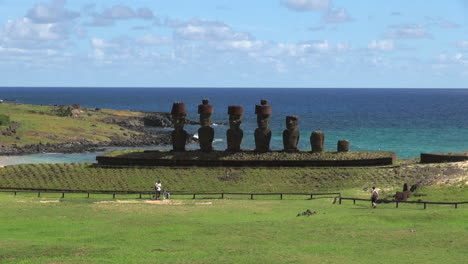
(4, 120)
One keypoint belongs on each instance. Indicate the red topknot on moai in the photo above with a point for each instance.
(234, 134)
(205, 132)
(179, 135)
(263, 133)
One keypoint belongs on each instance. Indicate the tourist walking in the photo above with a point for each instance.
(157, 188)
(374, 196)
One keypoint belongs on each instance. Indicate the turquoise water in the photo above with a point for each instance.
(407, 121)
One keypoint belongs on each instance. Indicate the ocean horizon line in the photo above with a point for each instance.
(226, 87)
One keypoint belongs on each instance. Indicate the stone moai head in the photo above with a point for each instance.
(292, 122)
(263, 112)
(235, 113)
(178, 112)
(205, 110)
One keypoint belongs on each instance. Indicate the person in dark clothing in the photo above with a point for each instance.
(374, 196)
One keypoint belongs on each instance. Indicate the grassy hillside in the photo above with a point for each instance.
(69, 231)
(33, 124)
(92, 177)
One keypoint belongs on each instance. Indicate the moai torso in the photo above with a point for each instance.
(179, 138)
(317, 141)
(234, 134)
(205, 132)
(291, 134)
(263, 133)
(179, 135)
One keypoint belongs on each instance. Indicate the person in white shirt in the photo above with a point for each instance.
(374, 196)
(157, 188)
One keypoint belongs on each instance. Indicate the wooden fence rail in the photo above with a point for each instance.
(455, 204)
(141, 193)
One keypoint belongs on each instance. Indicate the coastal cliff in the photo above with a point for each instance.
(73, 129)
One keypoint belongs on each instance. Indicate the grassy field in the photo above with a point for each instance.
(91, 177)
(42, 124)
(77, 230)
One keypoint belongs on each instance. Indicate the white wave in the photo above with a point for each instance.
(195, 136)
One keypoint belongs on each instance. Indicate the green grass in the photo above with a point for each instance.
(77, 230)
(40, 124)
(90, 177)
(247, 155)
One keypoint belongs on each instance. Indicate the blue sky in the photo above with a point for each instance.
(243, 43)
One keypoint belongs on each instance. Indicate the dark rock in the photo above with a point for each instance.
(307, 213)
(414, 187)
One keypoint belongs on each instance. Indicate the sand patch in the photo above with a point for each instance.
(49, 201)
(163, 202)
(119, 202)
(206, 203)
(140, 202)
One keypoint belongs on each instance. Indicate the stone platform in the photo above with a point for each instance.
(246, 159)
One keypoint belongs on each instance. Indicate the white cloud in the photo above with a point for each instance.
(26, 34)
(119, 12)
(462, 44)
(307, 48)
(99, 43)
(306, 5)
(408, 31)
(240, 45)
(52, 13)
(339, 15)
(197, 29)
(154, 40)
(381, 45)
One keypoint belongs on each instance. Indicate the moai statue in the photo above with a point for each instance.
(205, 132)
(343, 146)
(263, 133)
(179, 135)
(317, 141)
(291, 134)
(234, 134)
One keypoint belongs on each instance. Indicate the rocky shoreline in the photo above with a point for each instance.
(144, 137)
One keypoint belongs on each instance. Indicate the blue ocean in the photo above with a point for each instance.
(407, 121)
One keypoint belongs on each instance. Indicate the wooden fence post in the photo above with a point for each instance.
(339, 201)
(193, 196)
(311, 196)
(354, 201)
(222, 196)
(63, 195)
(251, 196)
(281, 196)
(424, 205)
(15, 193)
(88, 195)
(396, 205)
(113, 196)
(38, 194)
(456, 205)
(139, 197)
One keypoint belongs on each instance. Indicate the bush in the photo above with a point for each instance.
(63, 111)
(4, 120)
